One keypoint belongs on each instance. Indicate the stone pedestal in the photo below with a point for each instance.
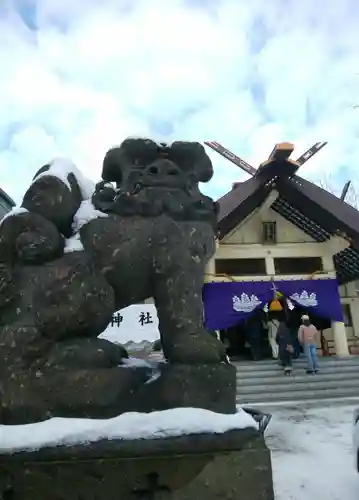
(212, 387)
(340, 338)
(233, 465)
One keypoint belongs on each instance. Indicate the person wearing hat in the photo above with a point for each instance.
(307, 335)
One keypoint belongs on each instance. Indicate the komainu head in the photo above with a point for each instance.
(153, 178)
(143, 162)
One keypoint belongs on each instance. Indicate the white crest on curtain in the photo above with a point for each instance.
(245, 303)
(305, 299)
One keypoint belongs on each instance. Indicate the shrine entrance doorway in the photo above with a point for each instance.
(248, 340)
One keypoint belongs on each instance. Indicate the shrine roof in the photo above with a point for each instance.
(7, 198)
(314, 210)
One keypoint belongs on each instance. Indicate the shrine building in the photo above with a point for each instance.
(283, 237)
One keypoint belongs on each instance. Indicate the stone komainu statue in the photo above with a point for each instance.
(71, 256)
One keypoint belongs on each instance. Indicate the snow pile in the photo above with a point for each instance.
(312, 453)
(61, 168)
(14, 211)
(161, 424)
(137, 323)
(85, 213)
(73, 244)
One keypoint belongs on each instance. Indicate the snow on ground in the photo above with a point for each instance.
(312, 453)
(161, 424)
(136, 323)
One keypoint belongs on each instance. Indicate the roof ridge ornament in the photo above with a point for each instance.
(280, 153)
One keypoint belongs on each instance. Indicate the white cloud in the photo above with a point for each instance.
(246, 74)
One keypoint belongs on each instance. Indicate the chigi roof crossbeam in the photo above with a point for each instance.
(280, 153)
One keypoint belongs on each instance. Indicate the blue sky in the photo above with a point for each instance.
(78, 77)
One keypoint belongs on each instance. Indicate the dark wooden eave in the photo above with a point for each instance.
(342, 216)
(239, 203)
(315, 211)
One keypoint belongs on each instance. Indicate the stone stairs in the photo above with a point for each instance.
(263, 382)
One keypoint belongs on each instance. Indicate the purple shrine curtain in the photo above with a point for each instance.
(227, 304)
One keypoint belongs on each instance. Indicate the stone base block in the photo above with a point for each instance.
(233, 465)
(106, 393)
(212, 387)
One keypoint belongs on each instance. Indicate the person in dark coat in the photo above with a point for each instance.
(254, 335)
(285, 347)
(292, 324)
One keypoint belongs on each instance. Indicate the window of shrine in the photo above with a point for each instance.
(241, 267)
(298, 265)
(269, 232)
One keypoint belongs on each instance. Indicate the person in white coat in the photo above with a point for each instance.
(273, 325)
